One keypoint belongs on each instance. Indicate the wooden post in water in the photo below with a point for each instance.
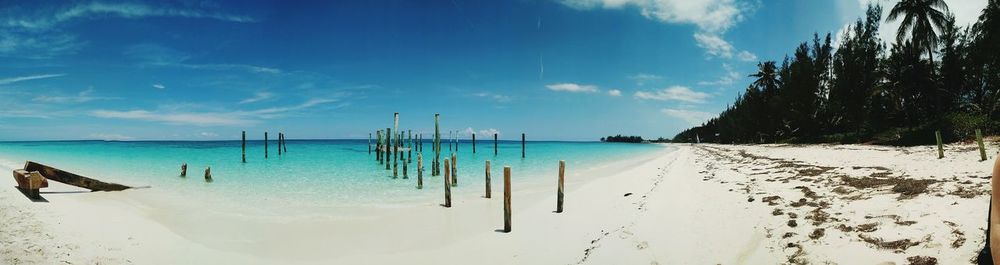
(388, 143)
(184, 170)
(522, 145)
(447, 183)
(284, 143)
(506, 199)
(378, 144)
(454, 170)
(982, 147)
(435, 168)
(473, 143)
(208, 174)
(420, 171)
(456, 141)
(409, 142)
(494, 144)
(369, 143)
(940, 144)
(244, 146)
(449, 141)
(559, 192)
(489, 190)
(279, 144)
(405, 169)
(395, 156)
(265, 144)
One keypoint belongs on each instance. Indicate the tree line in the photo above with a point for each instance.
(936, 76)
(631, 139)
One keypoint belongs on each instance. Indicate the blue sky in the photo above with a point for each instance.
(558, 70)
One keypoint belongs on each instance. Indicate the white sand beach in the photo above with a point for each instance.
(700, 204)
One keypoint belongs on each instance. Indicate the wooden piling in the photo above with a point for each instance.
(395, 157)
(184, 170)
(447, 183)
(559, 191)
(456, 141)
(473, 143)
(405, 169)
(284, 143)
(940, 144)
(435, 168)
(279, 144)
(378, 146)
(244, 146)
(454, 170)
(522, 145)
(208, 174)
(982, 147)
(506, 199)
(369, 143)
(388, 148)
(489, 190)
(450, 136)
(409, 143)
(265, 144)
(420, 171)
(494, 144)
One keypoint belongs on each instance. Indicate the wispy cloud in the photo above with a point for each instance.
(691, 117)
(208, 118)
(493, 96)
(156, 55)
(571, 87)
(614, 93)
(159, 86)
(86, 95)
(712, 18)
(643, 78)
(110, 137)
(729, 78)
(674, 93)
(258, 97)
(12, 80)
(41, 21)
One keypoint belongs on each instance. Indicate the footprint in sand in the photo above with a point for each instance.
(642, 245)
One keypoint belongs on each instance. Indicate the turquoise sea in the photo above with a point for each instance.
(313, 173)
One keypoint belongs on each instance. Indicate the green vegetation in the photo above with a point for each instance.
(868, 91)
(631, 139)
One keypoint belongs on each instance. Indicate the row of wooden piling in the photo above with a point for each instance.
(208, 172)
(979, 142)
(282, 146)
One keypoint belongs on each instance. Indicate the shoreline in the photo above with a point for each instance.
(687, 204)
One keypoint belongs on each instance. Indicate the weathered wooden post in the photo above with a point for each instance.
(395, 157)
(405, 169)
(940, 144)
(447, 184)
(244, 146)
(982, 147)
(388, 147)
(409, 143)
(378, 146)
(506, 199)
(369, 143)
(265, 144)
(450, 136)
(494, 144)
(279, 143)
(284, 143)
(473, 143)
(454, 170)
(456, 141)
(559, 192)
(420, 171)
(489, 190)
(208, 174)
(522, 145)
(436, 170)
(184, 170)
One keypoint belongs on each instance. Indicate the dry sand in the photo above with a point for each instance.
(700, 204)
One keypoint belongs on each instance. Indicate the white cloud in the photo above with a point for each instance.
(674, 93)
(493, 96)
(257, 97)
(86, 95)
(11, 80)
(712, 18)
(208, 134)
(643, 78)
(707, 15)
(216, 118)
(121, 10)
(730, 77)
(148, 54)
(159, 86)
(614, 93)
(571, 87)
(489, 132)
(691, 117)
(110, 137)
(715, 46)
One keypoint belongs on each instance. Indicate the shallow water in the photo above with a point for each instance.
(313, 173)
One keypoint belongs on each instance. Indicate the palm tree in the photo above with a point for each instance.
(767, 77)
(920, 19)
